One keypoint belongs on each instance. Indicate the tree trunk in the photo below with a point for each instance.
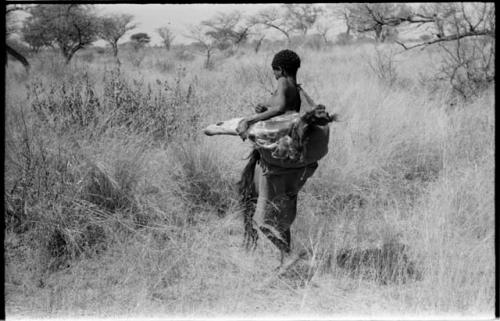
(68, 57)
(324, 38)
(19, 57)
(282, 31)
(259, 43)
(439, 27)
(115, 53)
(378, 32)
(207, 62)
(70, 52)
(383, 35)
(348, 24)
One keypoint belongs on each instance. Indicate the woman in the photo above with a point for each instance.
(277, 181)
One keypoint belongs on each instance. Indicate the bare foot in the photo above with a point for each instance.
(288, 261)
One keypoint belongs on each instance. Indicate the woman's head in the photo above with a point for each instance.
(286, 61)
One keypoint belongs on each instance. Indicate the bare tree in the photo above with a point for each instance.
(322, 29)
(258, 43)
(227, 29)
(257, 36)
(166, 35)
(324, 23)
(464, 31)
(341, 12)
(206, 42)
(456, 21)
(288, 18)
(440, 13)
(378, 17)
(451, 20)
(70, 26)
(273, 19)
(301, 16)
(113, 27)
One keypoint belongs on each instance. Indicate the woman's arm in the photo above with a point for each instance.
(278, 109)
(269, 113)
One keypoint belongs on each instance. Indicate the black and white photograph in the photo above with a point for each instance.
(249, 161)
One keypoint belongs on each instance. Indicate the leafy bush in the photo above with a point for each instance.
(164, 111)
(65, 104)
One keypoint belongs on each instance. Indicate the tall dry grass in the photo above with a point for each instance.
(117, 205)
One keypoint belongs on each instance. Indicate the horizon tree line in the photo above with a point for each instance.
(72, 27)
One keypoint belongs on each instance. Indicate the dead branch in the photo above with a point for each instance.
(450, 38)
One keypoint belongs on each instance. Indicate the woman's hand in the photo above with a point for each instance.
(260, 108)
(242, 129)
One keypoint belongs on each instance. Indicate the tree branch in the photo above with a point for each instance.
(277, 28)
(450, 38)
(18, 56)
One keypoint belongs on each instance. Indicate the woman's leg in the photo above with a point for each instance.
(276, 207)
(287, 191)
(269, 208)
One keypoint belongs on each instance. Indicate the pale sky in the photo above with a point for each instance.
(149, 17)
(178, 17)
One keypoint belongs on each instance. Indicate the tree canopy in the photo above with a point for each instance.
(114, 27)
(69, 26)
(140, 39)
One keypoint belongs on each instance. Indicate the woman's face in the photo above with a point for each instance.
(278, 72)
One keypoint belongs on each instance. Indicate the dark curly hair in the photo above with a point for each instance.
(288, 60)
